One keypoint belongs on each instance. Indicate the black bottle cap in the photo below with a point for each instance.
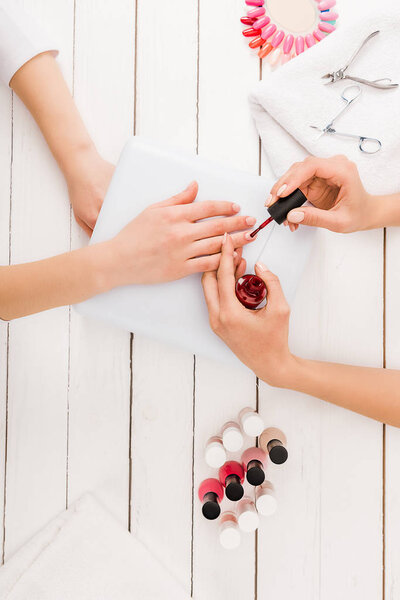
(255, 473)
(234, 489)
(280, 209)
(278, 454)
(211, 510)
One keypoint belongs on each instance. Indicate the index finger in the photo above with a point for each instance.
(208, 208)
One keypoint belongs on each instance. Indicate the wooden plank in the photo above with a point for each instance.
(330, 490)
(5, 182)
(163, 376)
(99, 394)
(392, 442)
(227, 71)
(38, 345)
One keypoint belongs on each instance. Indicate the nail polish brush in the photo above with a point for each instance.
(280, 209)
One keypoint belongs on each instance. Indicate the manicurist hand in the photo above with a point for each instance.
(259, 338)
(175, 238)
(334, 187)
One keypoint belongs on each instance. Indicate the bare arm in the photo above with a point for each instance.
(260, 340)
(40, 85)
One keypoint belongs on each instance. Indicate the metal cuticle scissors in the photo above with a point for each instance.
(382, 84)
(366, 144)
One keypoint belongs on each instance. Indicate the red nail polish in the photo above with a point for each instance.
(258, 41)
(247, 20)
(231, 475)
(250, 291)
(250, 32)
(211, 493)
(253, 461)
(273, 441)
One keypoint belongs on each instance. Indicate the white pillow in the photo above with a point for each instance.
(176, 312)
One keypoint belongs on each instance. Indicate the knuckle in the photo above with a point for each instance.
(341, 158)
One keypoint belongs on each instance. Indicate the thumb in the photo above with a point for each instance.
(186, 197)
(314, 217)
(276, 297)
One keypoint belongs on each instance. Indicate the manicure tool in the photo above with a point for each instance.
(367, 145)
(382, 84)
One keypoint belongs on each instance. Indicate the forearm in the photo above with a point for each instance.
(374, 393)
(384, 211)
(40, 85)
(61, 280)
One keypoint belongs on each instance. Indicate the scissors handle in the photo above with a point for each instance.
(376, 83)
(363, 142)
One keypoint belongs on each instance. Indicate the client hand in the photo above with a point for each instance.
(172, 239)
(259, 338)
(334, 187)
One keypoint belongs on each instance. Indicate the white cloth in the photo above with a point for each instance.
(84, 554)
(21, 38)
(293, 97)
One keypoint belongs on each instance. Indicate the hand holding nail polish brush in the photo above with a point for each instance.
(280, 209)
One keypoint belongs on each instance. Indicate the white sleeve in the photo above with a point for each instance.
(21, 38)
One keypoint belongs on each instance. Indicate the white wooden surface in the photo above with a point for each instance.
(92, 408)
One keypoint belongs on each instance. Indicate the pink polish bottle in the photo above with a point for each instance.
(254, 462)
(265, 499)
(215, 453)
(251, 422)
(273, 441)
(248, 518)
(232, 437)
(229, 533)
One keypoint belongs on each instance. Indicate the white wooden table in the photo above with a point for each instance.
(86, 407)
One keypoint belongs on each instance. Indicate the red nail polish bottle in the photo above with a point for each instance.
(254, 460)
(250, 291)
(231, 475)
(211, 493)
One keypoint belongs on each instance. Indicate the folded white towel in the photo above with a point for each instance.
(293, 97)
(84, 554)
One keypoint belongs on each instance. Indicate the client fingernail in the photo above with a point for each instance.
(281, 189)
(224, 238)
(296, 217)
(235, 207)
(251, 221)
(248, 236)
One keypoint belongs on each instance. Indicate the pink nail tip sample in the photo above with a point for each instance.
(288, 43)
(276, 40)
(318, 35)
(326, 4)
(268, 31)
(299, 44)
(327, 27)
(328, 16)
(274, 57)
(255, 2)
(256, 12)
(310, 41)
(262, 22)
(286, 58)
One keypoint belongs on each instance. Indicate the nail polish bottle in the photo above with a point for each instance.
(253, 461)
(229, 534)
(231, 475)
(248, 518)
(232, 437)
(251, 422)
(215, 453)
(273, 441)
(265, 499)
(251, 291)
(211, 493)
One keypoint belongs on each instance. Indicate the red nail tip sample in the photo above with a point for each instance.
(251, 32)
